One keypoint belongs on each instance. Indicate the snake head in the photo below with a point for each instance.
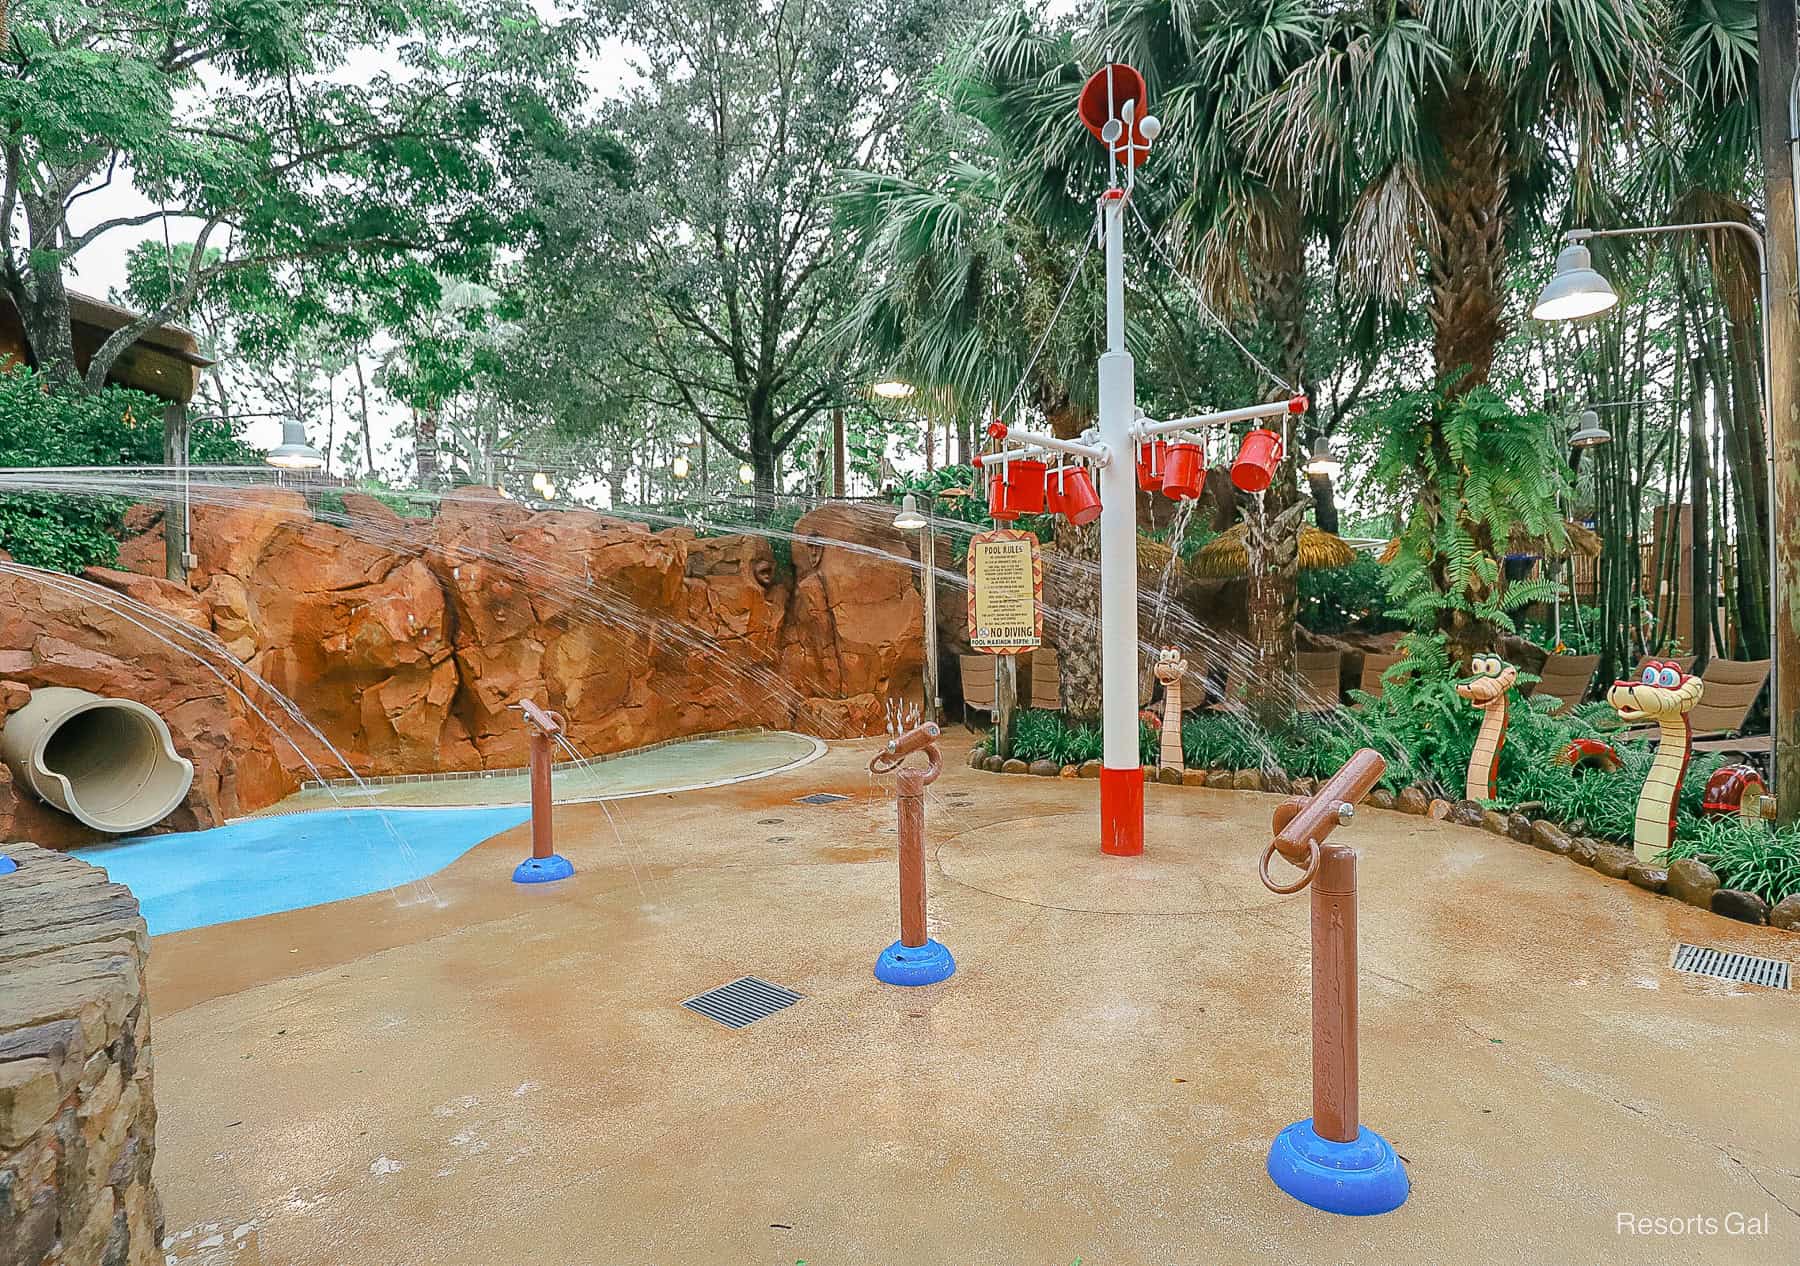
(1492, 678)
(1661, 689)
(1170, 665)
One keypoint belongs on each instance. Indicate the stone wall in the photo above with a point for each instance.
(407, 642)
(77, 1122)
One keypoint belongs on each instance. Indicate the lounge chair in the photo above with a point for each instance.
(1046, 679)
(977, 684)
(1566, 677)
(1320, 682)
(1373, 667)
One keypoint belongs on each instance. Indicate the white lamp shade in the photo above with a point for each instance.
(294, 453)
(1576, 290)
(909, 519)
(1588, 432)
(1323, 461)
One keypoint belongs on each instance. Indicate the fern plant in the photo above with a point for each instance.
(1476, 470)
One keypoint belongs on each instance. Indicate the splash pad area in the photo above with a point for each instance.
(508, 1074)
(314, 847)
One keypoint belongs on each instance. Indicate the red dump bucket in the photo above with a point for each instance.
(1257, 459)
(1071, 492)
(1152, 460)
(1015, 488)
(998, 509)
(1184, 472)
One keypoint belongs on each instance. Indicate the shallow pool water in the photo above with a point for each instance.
(264, 865)
(692, 763)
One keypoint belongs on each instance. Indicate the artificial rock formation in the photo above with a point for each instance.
(406, 642)
(77, 1121)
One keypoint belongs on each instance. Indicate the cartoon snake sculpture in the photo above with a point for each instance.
(1663, 694)
(1170, 668)
(1488, 690)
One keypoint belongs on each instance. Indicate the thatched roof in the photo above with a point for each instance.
(1226, 555)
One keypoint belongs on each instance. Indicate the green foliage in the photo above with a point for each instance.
(1334, 599)
(1476, 469)
(1042, 735)
(374, 142)
(42, 425)
(1749, 856)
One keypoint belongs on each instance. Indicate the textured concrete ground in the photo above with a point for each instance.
(495, 1074)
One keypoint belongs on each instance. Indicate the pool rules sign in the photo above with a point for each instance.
(1006, 592)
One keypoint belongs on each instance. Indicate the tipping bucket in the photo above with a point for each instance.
(1022, 486)
(998, 508)
(1260, 454)
(1071, 492)
(1184, 472)
(1152, 461)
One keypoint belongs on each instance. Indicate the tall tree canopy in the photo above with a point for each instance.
(711, 286)
(368, 143)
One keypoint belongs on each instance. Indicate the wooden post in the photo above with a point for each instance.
(544, 865)
(1776, 59)
(175, 525)
(1006, 701)
(914, 959)
(838, 458)
(1334, 1066)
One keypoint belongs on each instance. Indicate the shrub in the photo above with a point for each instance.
(41, 425)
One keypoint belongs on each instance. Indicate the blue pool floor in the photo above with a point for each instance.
(266, 865)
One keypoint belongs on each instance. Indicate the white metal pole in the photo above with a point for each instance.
(1121, 775)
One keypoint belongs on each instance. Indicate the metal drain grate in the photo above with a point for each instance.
(821, 797)
(1718, 964)
(744, 1001)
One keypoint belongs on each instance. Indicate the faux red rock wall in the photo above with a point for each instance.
(407, 641)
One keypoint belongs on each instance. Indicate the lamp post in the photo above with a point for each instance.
(911, 520)
(1578, 290)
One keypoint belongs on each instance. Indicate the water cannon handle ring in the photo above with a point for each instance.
(1306, 874)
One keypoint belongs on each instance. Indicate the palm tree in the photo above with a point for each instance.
(1241, 234)
(1436, 129)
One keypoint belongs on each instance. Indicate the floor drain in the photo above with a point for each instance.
(768, 821)
(822, 797)
(744, 1001)
(1746, 968)
(781, 839)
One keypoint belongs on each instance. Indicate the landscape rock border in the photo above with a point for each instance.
(1689, 880)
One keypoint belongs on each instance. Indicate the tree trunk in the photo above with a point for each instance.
(1700, 478)
(1272, 529)
(362, 394)
(839, 460)
(1073, 588)
(175, 454)
(1465, 266)
(1776, 56)
(42, 300)
(425, 445)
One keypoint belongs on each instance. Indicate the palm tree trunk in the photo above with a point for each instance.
(1466, 260)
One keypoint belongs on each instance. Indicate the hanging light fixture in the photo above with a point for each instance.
(1588, 432)
(1576, 291)
(1323, 461)
(745, 474)
(680, 467)
(909, 519)
(294, 453)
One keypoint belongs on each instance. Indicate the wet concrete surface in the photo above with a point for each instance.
(488, 1073)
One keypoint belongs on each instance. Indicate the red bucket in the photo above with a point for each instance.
(1071, 492)
(1152, 460)
(1184, 472)
(998, 510)
(1257, 459)
(1015, 488)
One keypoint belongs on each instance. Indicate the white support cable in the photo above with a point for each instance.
(1206, 308)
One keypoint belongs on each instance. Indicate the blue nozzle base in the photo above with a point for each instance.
(543, 870)
(914, 964)
(1360, 1178)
